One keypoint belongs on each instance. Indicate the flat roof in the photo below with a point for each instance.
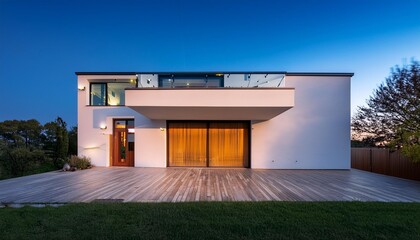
(333, 74)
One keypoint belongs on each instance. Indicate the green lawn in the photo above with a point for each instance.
(38, 168)
(216, 220)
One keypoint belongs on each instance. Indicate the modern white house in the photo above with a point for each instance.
(267, 120)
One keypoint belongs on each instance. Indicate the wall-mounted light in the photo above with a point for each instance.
(162, 129)
(148, 81)
(102, 127)
(81, 88)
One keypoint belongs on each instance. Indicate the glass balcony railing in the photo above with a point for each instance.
(213, 80)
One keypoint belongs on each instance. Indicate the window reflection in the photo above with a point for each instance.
(98, 94)
(190, 81)
(120, 124)
(109, 94)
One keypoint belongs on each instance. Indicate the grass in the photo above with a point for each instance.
(38, 168)
(217, 220)
(42, 168)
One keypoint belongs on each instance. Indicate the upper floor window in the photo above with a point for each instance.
(191, 81)
(109, 94)
(98, 94)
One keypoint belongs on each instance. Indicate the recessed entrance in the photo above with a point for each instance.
(123, 143)
(208, 144)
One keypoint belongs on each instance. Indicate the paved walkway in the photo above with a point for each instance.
(204, 184)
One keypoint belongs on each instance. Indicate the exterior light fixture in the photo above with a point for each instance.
(148, 80)
(102, 127)
(81, 88)
(162, 129)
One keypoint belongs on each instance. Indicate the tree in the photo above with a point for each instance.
(57, 141)
(9, 132)
(21, 133)
(26, 145)
(20, 147)
(30, 131)
(392, 115)
(73, 141)
(21, 159)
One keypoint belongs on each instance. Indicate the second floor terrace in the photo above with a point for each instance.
(192, 95)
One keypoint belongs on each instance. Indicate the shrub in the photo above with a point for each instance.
(20, 160)
(59, 162)
(2, 172)
(80, 162)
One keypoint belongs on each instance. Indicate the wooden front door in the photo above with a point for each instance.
(123, 143)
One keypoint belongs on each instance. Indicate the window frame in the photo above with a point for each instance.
(192, 76)
(106, 93)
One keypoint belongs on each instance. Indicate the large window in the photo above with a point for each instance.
(191, 80)
(109, 94)
(98, 94)
(211, 144)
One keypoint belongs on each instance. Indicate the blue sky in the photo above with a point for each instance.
(42, 43)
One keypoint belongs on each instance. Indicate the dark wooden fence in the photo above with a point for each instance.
(384, 161)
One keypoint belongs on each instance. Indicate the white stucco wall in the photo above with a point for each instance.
(93, 142)
(315, 134)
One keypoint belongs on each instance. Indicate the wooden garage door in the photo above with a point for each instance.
(211, 144)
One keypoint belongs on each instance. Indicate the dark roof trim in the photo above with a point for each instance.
(208, 88)
(327, 74)
(106, 73)
(223, 72)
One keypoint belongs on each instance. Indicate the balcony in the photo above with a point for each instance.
(210, 103)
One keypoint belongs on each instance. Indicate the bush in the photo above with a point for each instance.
(80, 162)
(18, 161)
(59, 162)
(2, 172)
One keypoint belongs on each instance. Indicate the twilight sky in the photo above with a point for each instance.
(42, 43)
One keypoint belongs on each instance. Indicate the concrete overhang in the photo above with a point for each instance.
(210, 103)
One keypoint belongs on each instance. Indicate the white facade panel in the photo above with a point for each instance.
(314, 134)
(93, 142)
(210, 104)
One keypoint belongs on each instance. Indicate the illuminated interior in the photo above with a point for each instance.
(207, 143)
(109, 94)
(191, 81)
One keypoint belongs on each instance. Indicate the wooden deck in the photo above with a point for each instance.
(203, 184)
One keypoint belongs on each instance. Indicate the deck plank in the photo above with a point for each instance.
(207, 184)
